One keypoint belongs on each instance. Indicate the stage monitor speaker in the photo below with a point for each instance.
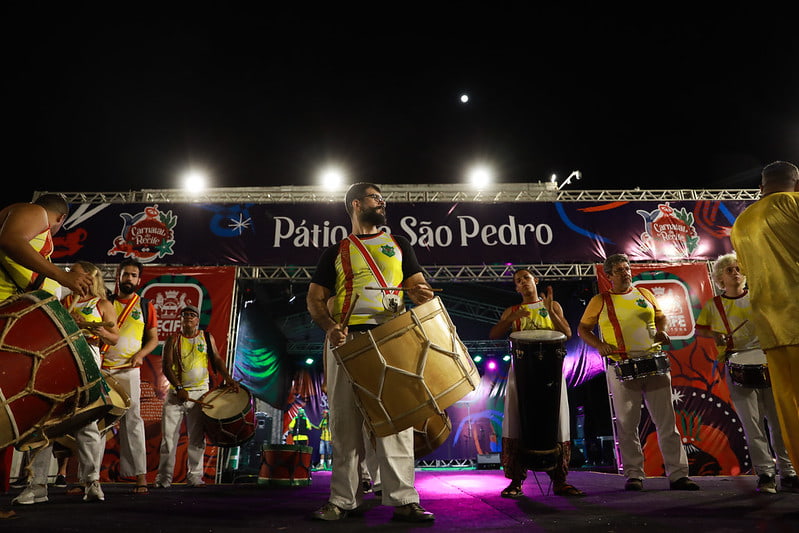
(488, 461)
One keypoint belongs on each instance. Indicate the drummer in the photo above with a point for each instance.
(727, 319)
(187, 358)
(94, 314)
(344, 271)
(533, 313)
(634, 313)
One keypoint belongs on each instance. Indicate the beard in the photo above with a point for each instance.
(127, 287)
(373, 216)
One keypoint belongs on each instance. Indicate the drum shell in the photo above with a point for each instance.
(656, 364)
(230, 421)
(120, 403)
(430, 434)
(285, 465)
(49, 381)
(408, 369)
(749, 369)
(538, 367)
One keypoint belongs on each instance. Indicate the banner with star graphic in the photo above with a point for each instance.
(710, 428)
(442, 233)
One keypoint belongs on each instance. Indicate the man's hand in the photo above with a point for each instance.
(138, 359)
(182, 394)
(662, 337)
(420, 293)
(77, 282)
(231, 383)
(337, 335)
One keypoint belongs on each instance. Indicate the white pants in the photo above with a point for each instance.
(754, 405)
(171, 418)
(394, 453)
(91, 448)
(655, 391)
(132, 441)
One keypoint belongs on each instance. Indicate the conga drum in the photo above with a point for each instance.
(537, 358)
(49, 381)
(408, 369)
(228, 417)
(430, 434)
(285, 465)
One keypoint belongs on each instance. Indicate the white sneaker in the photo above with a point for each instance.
(32, 494)
(93, 492)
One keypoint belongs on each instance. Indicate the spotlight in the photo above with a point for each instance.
(492, 365)
(309, 361)
(478, 358)
(506, 358)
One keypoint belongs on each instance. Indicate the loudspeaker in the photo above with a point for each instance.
(263, 428)
(251, 451)
(488, 461)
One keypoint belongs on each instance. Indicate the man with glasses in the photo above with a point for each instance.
(633, 325)
(368, 256)
(187, 356)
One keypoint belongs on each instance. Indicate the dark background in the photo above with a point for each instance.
(117, 97)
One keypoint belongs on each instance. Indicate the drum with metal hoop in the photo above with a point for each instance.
(228, 417)
(537, 359)
(285, 465)
(49, 381)
(650, 364)
(749, 368)
(409, 369)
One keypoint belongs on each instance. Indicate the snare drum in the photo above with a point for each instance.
(538, 367)
(409, 369)
(749, 368)
(49, 381)
(229, 418)
(285, 465)
(651, 364)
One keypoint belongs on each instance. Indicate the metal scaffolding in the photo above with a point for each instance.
(500, 192)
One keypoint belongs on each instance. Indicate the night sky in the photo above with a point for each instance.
(123, 97)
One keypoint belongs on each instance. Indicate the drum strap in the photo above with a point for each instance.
(723, 314)
(615, 323)
(124, 315)
(370, 261)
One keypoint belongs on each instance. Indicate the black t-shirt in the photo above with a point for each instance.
(325, 274)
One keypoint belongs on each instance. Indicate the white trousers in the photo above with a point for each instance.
(132, 441)
(171, 418)
(394, 454)
(753, 406)
(655, 392)
(91, 448)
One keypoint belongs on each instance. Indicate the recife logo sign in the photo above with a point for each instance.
(146, 236)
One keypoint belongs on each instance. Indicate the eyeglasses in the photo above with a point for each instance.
(376, 197)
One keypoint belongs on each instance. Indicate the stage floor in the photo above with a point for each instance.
(463, 500)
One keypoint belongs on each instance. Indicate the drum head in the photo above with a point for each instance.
(538, 335)
(225, 403)
(749, 357)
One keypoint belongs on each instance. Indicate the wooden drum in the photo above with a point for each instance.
(409, 369)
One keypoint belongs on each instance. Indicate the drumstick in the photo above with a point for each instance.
(346, 318)
(83, 324)
(398, 289)
(201, 403)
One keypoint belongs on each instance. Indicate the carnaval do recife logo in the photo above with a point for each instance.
(146, 236)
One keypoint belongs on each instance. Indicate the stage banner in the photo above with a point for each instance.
(210, 289)
(711, 431)
(442, 233)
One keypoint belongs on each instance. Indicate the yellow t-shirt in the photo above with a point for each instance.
(627, 320)
(353, 275)
(539, 317)
(738, 314)
(131, 333)
(15, 278)
(193, 352)
(766, 238)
